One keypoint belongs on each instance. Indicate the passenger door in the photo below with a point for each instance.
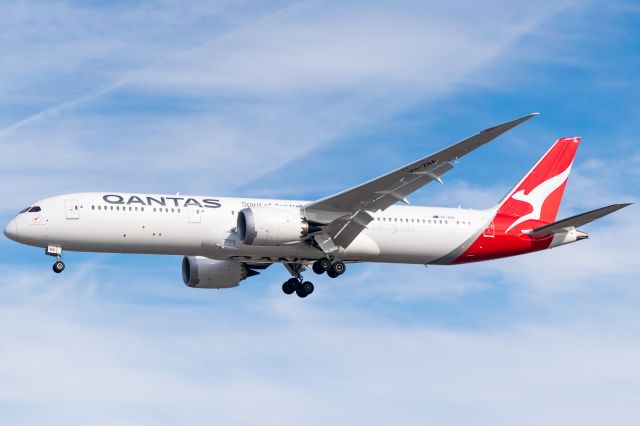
(194, 214)
(71, 209)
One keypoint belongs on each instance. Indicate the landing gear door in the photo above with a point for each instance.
(194, 214)
(71, 209)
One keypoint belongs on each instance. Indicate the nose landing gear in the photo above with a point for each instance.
(56, 251)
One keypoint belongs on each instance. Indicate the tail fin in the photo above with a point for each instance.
(537, 196)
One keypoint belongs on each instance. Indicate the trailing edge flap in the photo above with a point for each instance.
(577, 220)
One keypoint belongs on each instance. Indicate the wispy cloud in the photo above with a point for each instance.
(255, 99)
(313, 93)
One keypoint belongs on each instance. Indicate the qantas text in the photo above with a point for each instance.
(162, 201)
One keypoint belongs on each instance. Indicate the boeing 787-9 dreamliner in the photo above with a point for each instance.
(226, 240)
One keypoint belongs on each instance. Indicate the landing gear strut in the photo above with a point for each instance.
(56, 251)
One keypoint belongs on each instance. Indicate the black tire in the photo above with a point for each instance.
(289, 286)
(338, 268)
(58, 266)
(321, 266)
(332, 274)
(301, 293)
(325, 263)
(307, 287)
(317, 268)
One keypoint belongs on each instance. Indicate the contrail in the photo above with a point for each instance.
(107, 88)
(63, 107)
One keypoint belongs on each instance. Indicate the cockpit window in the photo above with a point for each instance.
(24, 210)
(34, 209)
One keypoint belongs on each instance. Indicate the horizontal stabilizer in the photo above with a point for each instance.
(577, 220)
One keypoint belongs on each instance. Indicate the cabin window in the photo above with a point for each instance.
(93, 207)
(141, 209)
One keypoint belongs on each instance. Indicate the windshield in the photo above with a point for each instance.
(34, 209)
(24, 210)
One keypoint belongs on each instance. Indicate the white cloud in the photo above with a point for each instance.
(76, 355)
(541, 339)
(274, 90)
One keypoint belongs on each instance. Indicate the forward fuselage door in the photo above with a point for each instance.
(194, 214)
(71, 209)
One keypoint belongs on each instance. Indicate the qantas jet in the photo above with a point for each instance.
(226, 240)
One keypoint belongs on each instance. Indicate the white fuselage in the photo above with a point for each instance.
(205, 226)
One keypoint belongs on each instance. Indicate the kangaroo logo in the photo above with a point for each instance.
(538, 196)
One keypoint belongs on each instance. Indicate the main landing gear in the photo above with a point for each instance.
(333, 269)
(301, 288)
(304, 288)
(56, 251)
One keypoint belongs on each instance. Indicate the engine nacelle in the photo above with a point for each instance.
(202, 272)
(265, 226)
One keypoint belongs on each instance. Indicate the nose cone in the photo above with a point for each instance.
(11, 230)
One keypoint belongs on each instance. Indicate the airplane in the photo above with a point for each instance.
(226, 240)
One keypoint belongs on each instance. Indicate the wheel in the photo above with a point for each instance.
(301, 293)
(58, 266)
(307, 287)
(320, 266)
(289, 286)
(332, 274)
(338, 268)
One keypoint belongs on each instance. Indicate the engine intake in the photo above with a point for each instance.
(202, 272)
(264, 226)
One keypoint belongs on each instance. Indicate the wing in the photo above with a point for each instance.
(346, 214)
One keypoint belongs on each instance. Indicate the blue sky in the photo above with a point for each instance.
(300, 100)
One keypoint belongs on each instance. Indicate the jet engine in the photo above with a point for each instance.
(265, 226)
(202, 272)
